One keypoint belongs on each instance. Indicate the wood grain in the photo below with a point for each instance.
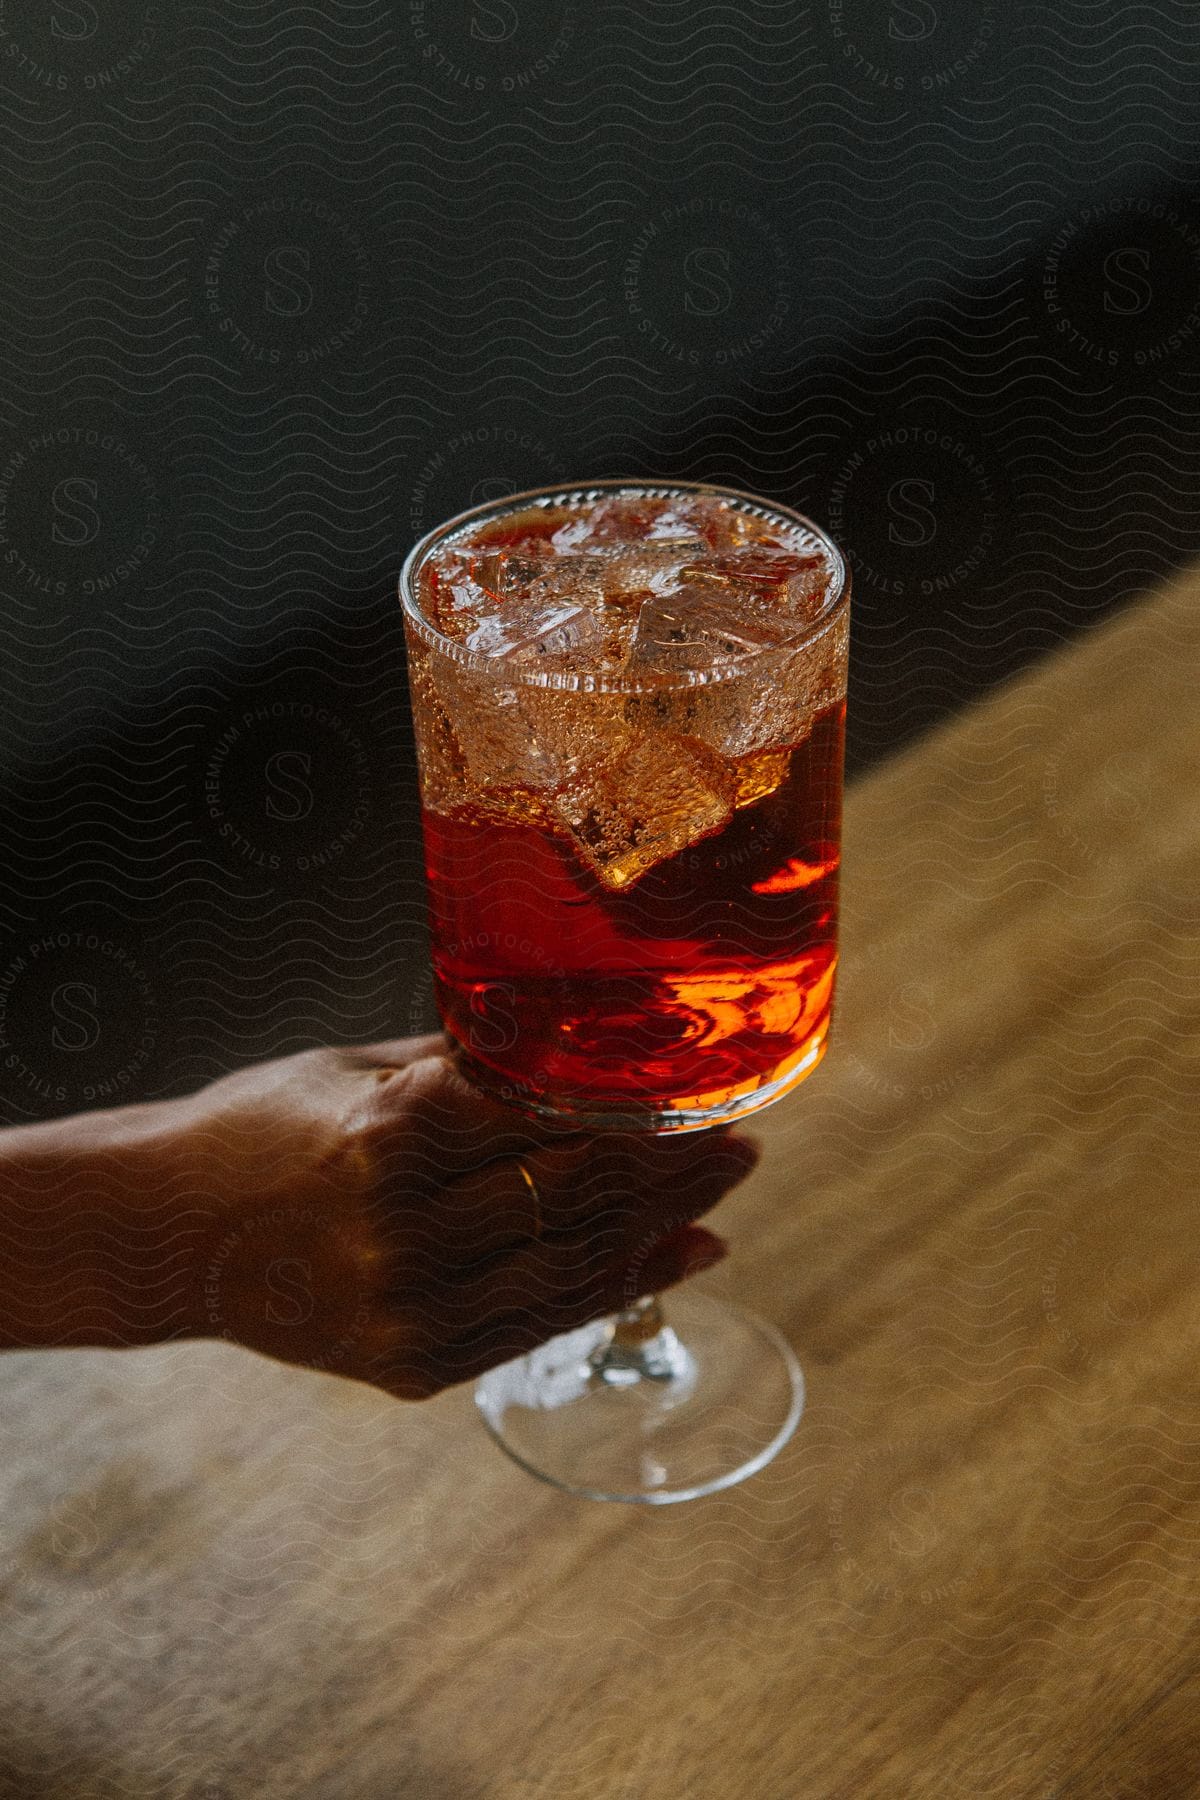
(973, 1572)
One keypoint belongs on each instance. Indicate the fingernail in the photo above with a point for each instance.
(681, 1254)
(705, 1255)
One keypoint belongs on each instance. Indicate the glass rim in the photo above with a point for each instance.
(619, 681)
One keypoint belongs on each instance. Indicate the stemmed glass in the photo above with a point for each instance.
(631, 767)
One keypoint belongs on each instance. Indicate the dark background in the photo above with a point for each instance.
(285, 286)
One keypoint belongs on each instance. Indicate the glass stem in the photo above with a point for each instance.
(640, 1346)
(643, 1320)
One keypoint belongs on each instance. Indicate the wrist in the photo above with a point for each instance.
(100, 1228)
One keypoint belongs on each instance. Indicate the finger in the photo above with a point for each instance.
(446, 1125)
(533, 1278)
(489, 1211)
(394, 1053)
(626, 1182)
(685, 1252)
(584, 1200)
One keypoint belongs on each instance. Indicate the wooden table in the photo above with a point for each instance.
(974, 1570)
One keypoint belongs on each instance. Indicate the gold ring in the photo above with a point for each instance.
(532, 1185)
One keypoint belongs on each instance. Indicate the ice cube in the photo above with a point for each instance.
(473, 748)
(759, 775)
(654, 795)
(631, 571)
(646, 518)
(621, 518)
(577, 578)
(698, 627)
(529, 529)
(714, 520)
(445, 782)
(772, 702)
(575, 727)
(550, 632)
(507, 572)
(500, 749)
(786, 581)
(453, 600)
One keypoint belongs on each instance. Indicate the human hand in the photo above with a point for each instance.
(369, 1215)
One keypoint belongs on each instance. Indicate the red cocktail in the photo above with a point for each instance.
(629, 710)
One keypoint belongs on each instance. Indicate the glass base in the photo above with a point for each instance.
(611, 1413)
(626, 1116)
